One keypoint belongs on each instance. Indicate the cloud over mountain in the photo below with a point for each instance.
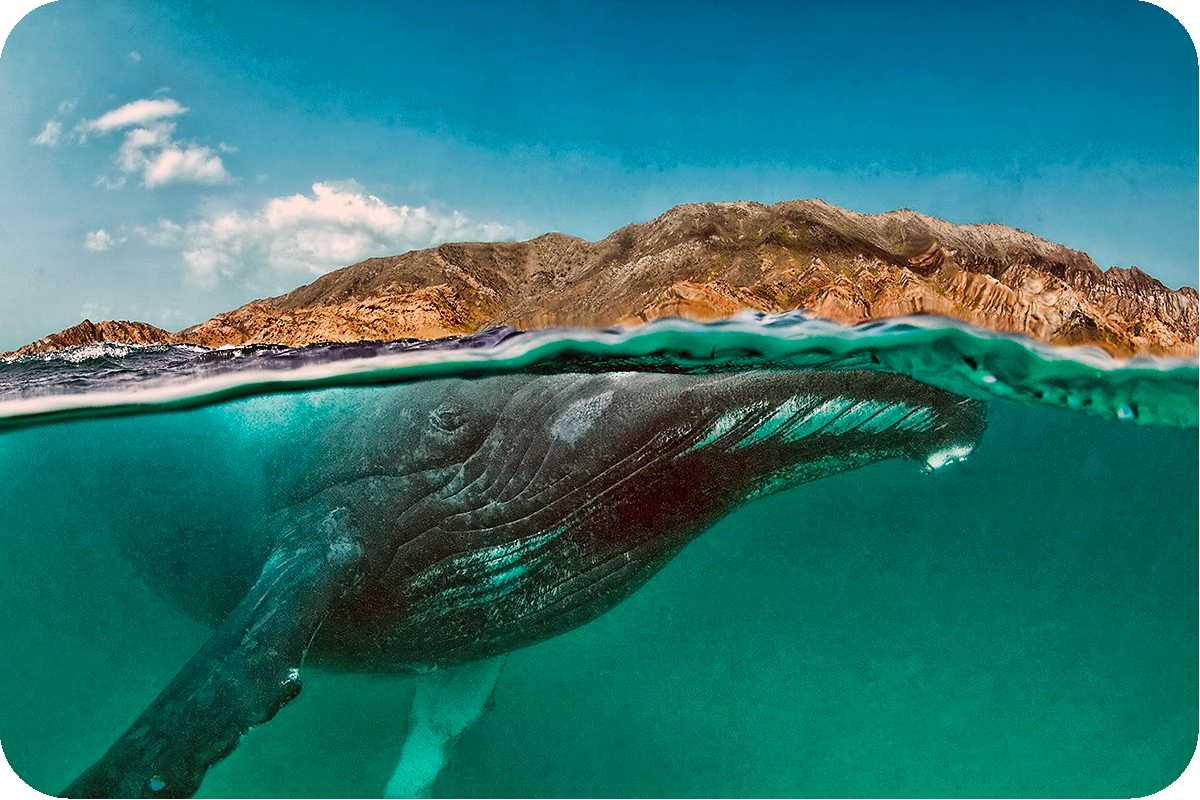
(337, 224)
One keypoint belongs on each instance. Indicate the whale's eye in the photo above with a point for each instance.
(448, 419)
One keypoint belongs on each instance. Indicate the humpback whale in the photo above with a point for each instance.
(438, 525)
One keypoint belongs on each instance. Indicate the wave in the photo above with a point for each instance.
(108, 379)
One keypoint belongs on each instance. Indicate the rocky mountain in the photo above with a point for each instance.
(708, 261)
(88, 332)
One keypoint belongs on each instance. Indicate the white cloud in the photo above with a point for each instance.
(95, 311)
(51, 134)
(135, 56)
(337, 225)
(132, 155)
(149, 147)
(139, 112)
(110, 183)
(164, 234)
(161, 160)
(99, 240)
(187, 164)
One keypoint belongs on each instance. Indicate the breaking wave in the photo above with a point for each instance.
(109, 378)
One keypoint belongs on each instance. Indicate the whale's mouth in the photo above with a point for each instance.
(947, 455)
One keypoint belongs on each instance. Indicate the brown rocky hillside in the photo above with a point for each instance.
(708, 261)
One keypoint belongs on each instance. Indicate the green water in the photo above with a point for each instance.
(1022, 624)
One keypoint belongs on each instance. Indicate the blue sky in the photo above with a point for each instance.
(165, 161)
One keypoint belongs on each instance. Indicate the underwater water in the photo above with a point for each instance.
(1023, 623)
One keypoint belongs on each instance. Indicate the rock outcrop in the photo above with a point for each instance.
(709, 261)
(88, 332)
(432, 312)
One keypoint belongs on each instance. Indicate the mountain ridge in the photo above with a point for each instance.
(707, 261)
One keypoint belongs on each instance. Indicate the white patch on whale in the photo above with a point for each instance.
(780, 421)
(723, 425)
(919, 420)
(580, 416)
(950, 455)
(804, 415)
(481, 576)
(888, 417)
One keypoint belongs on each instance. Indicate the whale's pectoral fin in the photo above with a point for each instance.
(242, 675)
(445, 703)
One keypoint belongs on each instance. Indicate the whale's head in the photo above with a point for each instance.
(756, 431)
(642, 457)
(531, 431)
(786, 427)
(551, 447)
(547, 499)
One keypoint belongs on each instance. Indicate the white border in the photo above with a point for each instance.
(1187, 12)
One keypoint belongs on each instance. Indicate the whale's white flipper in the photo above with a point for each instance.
(445, 704)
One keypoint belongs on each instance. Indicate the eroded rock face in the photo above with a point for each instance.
(429, 313)
(709, 261)
(88, 332)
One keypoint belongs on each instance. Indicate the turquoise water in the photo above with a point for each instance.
(1020, 624)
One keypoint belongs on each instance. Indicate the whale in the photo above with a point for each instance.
(435, 526)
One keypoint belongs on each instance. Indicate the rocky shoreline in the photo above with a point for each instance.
(706, 262)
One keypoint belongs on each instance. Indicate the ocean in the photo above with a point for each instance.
(1023, 623)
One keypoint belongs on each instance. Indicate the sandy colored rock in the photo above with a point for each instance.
(709, 261)
(88, 332)
(430, 313)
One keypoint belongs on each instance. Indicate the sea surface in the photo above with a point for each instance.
(1020, 624)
